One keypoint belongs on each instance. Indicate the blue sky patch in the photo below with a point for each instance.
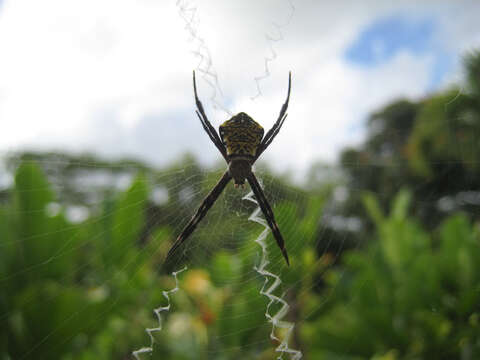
(382, 39)
(444, 63)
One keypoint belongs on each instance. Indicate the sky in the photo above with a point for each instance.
(115, 77)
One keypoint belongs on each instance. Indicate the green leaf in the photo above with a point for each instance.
(225, 267)
(32, 195)
(129, 218)
(373, 208)
(400, 205)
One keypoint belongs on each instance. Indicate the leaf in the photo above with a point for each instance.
(401, 204)
(129, 218)
(373, 208)
(224, 268)
(32, 194)
(310, 221)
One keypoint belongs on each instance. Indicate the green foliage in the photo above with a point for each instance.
(55, 293)
(411, 295)
(85, 290)
(446, 131)
(472, 68)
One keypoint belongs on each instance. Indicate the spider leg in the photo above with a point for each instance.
(268, 213)
(201, 212)
(268, 138)
(207, 126)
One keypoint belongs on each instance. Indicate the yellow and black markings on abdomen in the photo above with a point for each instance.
(241, 135)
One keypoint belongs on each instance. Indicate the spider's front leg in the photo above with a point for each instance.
(268, 213)
(207, 126)
(268, 138)
(201, 212)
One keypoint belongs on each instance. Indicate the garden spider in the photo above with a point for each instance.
(241, 142)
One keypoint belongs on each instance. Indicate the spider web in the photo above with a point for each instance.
(188, 13)
(212, 227)
(212, 240)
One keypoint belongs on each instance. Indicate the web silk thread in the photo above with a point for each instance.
(189, 13)
(157, 312)
(270, 284)
(271, 40)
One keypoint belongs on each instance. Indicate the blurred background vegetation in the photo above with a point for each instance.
(384, 246)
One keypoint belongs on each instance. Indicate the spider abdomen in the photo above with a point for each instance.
(241, 136)
(239, 170)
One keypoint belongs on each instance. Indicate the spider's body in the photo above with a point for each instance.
(241, 135)
(241, 142)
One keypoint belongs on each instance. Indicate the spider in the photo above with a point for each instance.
(241, 142)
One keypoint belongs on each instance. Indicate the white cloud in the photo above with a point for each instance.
(115, 77)
(63, 60)
(328, 108)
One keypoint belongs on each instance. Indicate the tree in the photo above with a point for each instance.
(430, 146)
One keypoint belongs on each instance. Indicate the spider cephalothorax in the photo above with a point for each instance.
(241, 142)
